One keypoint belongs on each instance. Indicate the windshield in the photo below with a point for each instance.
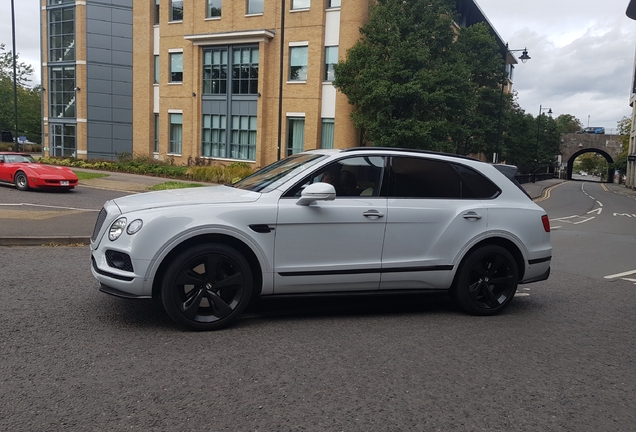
(12, 158)
(272, 176)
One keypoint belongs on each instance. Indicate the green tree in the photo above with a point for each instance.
(29, 98)
(23, 70)
(624, 129)
(418, 81)
(567, 123)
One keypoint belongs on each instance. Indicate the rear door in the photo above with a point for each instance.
(432, 215)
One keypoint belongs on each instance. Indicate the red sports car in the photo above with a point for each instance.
(26, 173)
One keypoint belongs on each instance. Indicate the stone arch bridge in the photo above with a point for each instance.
(574, 145)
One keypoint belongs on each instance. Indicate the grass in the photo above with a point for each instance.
(87, 176)
(173, 185)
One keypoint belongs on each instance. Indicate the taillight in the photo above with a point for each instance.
(546, 223)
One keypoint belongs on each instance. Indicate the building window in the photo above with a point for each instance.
(326, 136)
(62, 91)
(176, 10)
(156, 149)
(300, 4)
(156, 8)
(214, 136)
(243, 138)
(298, 63)
(331, 58)
(295, 135)
(334, 3)
(58, 2)
(62, 34)
(156, 69)
(63, 142)
(176, 133)
(245, 71)
(176, 67)
(213, 9)
(215, 71)
(254, 7)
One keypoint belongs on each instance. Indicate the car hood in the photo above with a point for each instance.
(183, 197)
(47, 169)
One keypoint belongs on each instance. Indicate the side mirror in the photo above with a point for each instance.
(317, 192)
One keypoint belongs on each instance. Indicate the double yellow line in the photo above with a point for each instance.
(546, 193)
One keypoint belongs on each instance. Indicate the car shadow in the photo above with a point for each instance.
(149, 314)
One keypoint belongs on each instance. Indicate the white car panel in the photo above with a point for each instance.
(329, 239)
(423, 237)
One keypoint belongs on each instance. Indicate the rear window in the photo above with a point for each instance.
(426, 178)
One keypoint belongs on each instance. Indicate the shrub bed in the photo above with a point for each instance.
(206, 171)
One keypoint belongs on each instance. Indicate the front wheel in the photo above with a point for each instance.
(206, 287)
(487, 281)
(21, 181)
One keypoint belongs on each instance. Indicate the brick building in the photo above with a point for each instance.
(229, 80)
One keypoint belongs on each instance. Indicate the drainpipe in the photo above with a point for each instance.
(280, 79)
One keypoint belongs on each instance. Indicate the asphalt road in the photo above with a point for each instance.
(561, 357)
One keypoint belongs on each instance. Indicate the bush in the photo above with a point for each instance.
(198, 169)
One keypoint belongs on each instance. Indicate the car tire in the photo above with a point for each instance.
(487, 280)
(207, 286)
(21, 181)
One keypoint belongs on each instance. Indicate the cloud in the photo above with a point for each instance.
(582, 55)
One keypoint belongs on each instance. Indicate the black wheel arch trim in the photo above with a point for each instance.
(539, 260)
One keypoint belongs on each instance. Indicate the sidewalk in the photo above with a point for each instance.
(73, 226)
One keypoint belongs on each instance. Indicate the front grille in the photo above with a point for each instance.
(110, 275)
(119, 260)
(100, 221)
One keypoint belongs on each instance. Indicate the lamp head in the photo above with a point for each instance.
(524, 56)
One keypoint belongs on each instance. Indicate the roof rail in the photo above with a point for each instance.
(401, 149)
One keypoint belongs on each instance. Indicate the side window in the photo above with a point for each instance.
(351, 177)
(424, 178)
(478, 184)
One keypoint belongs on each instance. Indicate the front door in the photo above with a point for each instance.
(333, 245)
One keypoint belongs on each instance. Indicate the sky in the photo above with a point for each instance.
(582, 53)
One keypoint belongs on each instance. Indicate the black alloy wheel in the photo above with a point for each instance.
(487, 281)
(207, 286)
(21, 181)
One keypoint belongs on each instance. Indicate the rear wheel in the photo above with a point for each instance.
(207, 286)
(487, 281)
(21, 181)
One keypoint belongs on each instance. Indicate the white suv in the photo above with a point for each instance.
(357, 221)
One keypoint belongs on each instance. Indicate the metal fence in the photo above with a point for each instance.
(531, 178)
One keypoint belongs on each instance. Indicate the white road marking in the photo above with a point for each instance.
(598, 210)
(629, 279)
(48, 206)
(617, 275)
(585, 220)
(625, 214)
(599, 203)
(522, 294)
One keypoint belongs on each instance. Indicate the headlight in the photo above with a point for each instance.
(134, 226)
(116, 229)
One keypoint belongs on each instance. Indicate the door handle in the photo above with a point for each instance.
(372, 214)
(471, 215)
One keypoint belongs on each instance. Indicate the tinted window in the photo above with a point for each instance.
(425, 178)
(351, 177)
(479, 185)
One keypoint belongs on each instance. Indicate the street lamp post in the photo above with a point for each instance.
(524, 58)
(536, 149)
(15, 83)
